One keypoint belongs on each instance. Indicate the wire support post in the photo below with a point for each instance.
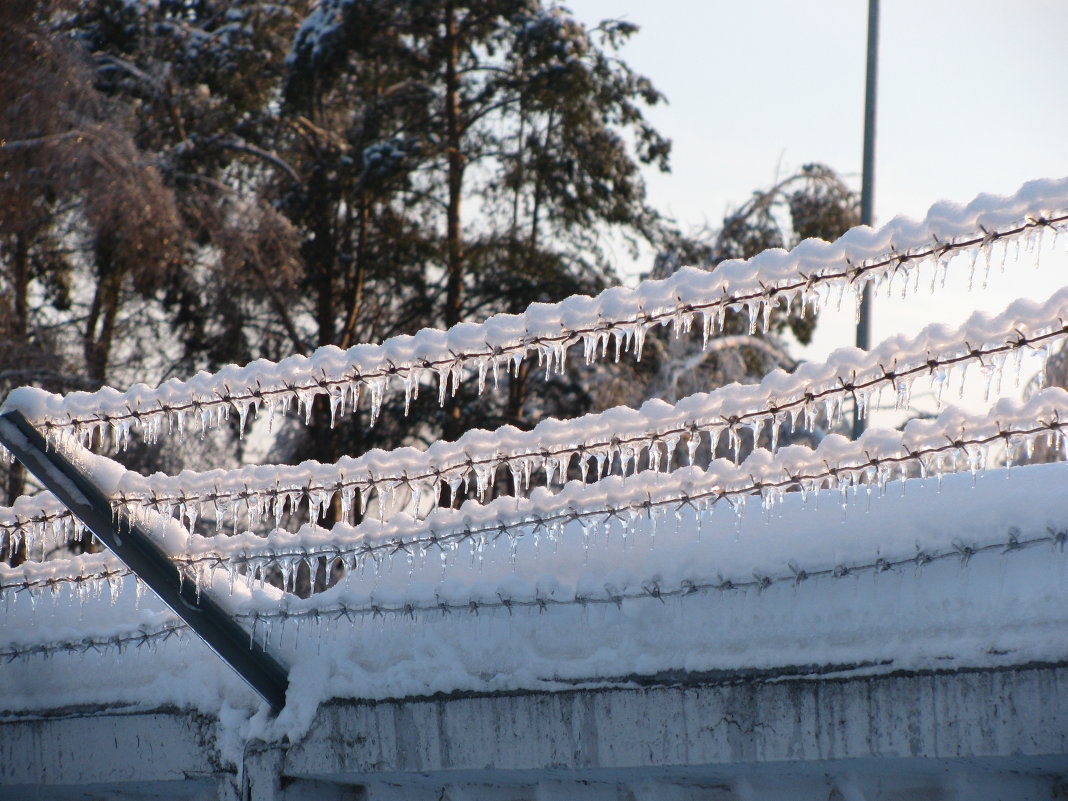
(133, 546)
(867, 191)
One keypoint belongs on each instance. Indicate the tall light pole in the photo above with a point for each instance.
(867, 181)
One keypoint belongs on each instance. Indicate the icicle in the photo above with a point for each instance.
(693, 442)
(654, 455)
(454, 480)
(714, 437)
(347, 493)
(241, 406)
(776, 425)
(670, 443)
(483, 477)
(756, 426)
(640, 331)
(191, 513)
(753, 309)
(377, 387)
(516, 469)
(550, 464)
(306, 403)
(904, 392)
(385, 494)
(411, 388)
(337, 401)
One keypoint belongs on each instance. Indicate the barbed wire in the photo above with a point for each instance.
(450, 536)
(655, 589)
(144, 636)
(651, 589)
(463, 466)
(767, 294)
(53, 583)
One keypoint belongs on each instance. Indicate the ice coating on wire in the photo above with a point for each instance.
(615, 320)
(956, 441)
(647, 438)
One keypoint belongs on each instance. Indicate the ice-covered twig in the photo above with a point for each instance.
(617, 317)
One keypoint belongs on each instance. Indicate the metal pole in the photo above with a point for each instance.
(140, 553)
(867, 185)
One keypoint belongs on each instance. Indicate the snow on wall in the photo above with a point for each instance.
(966, 571)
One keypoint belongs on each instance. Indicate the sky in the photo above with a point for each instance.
(969, 101)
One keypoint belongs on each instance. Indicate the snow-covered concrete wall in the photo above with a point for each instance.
(967, 735)
(908, 644)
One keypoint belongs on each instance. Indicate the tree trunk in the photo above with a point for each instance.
(19, 332)
(355, 299)
(100, 326)
(454, 244)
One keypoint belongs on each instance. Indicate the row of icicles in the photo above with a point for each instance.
(444, 538)
(346, 394)
(277, 506)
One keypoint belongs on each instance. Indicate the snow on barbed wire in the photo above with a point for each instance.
(345, 603)
(953, 442)
(617, 319)
(620, 439)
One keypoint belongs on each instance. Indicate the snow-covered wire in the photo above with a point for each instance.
(950, 443)
(145, 635)
(618, 315)
(813, 392)
(259, 621)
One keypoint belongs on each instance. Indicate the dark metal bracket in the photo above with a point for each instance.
(146, 559)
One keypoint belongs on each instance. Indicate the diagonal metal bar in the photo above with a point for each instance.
(141, 554)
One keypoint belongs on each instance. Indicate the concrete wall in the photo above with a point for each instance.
(983, 734)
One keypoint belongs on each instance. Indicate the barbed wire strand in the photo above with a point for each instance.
(768, 293)
(650, 589)
(370, 482)
(449, 537)
(374, 550)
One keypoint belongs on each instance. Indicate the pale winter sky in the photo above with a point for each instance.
(969, 101)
